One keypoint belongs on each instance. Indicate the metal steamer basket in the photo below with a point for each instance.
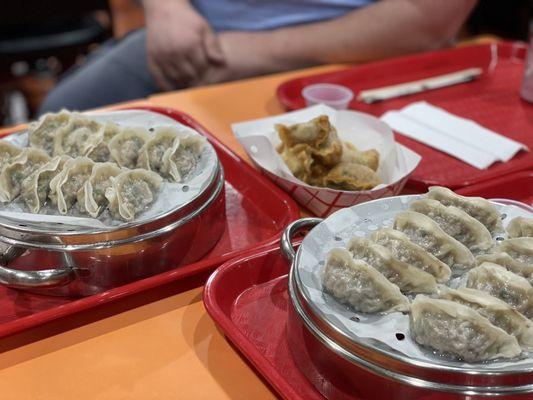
(67, 260)
(344, 366)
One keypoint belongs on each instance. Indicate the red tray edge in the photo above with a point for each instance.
(137, 287)
(290, 105)
(234, 335)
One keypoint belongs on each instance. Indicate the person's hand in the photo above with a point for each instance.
(180, 43)
(245, 56)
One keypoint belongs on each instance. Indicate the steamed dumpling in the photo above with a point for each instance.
(509, 263)
(404, 250)
(101, 152)
(43, 132)
(458, 330)
(182, 158)
(65, 185)
(520, 227)
(520, 249)
(22, 166)
(498, 312)
(131, 192)
(91, 196)
(498, 282)
(361, 286)
(79, 137)
(8, 152)
(409, 279)
(151, 154)
(36, 187)
(456, 223)
(477, 207)
(126, 145)
(425, 232)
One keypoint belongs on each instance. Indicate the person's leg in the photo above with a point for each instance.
(118, 73)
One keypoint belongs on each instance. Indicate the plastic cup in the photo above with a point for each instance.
(335, 96)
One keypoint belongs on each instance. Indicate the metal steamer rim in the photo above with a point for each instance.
(30, 233)
(439, 374)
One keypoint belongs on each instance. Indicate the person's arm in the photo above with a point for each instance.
(181, 45)
(384, 29)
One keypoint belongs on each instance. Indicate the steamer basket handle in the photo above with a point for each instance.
(289, 233)
(18, 279)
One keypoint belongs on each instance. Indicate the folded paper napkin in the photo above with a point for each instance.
(459, 137)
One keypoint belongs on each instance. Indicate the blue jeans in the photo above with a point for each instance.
(115, 72)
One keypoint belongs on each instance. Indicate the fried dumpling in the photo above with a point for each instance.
(181, 160)
(368, 158)
(8, 152)
(313, 132)
(458, 330)
(101, 152)
(520, 227)
(298, 160)
(351, 176)
(520, 249)
(404, 250)
(36, 187)
(456, 223)
(42, 133)
(409, 279)
(125, 146)
(151, 154)
(22, 166)
(65, 185)
(498, 282)
(91, 196)
(361, 286)
(477, 207)
(509, 263)
(425, 232)
(328, 153)
(131, 192)
(79, 137)
(498, 312)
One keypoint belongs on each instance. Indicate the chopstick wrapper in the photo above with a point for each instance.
(459, 137)
(259, 139)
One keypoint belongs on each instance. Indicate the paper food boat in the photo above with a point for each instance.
(397, 162)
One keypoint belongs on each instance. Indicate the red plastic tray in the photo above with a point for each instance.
(248, 300)
(517, 186)
(493, 100)
(257, 211)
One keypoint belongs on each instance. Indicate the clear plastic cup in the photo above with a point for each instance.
(335, 96)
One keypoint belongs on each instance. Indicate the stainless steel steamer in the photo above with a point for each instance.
(88, 261)
(341, 367)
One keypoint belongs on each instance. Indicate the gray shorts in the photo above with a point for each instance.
(117, 71)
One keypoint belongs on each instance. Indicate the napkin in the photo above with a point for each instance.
(459, 137)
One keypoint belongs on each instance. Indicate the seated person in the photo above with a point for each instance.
(198, 42)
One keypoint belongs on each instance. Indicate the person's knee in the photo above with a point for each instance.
(118, 73)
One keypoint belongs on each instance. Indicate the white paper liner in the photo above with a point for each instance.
(171, 196)
(362, 220)
(397, 162)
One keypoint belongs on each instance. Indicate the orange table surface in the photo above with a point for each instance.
(168, 349)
